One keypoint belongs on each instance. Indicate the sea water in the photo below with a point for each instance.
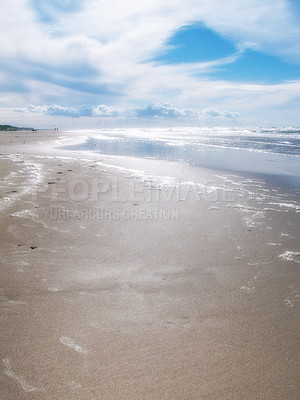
(271, 151)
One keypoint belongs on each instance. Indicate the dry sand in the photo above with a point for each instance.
(113, 287)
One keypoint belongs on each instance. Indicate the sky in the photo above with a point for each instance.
(113, 63)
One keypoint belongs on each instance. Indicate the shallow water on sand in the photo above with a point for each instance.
(272, 151)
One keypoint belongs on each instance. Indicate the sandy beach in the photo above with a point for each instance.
(119, 285)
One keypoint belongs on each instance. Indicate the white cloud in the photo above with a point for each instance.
(35, 109)
(85, 110)
(230, 114)
(106, 111)
(212, 112)
(164, 110)
(216, 113)
(63, 111)
(113, 31)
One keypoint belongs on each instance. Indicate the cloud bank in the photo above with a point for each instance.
(162, 110)
(165, 111)
(74, 112)
(216, 113)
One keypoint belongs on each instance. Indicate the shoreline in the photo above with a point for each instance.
(203, 305)
(243, 160)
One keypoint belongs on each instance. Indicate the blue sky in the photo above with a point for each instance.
(101, 63)
(197, 43)
(194, 43)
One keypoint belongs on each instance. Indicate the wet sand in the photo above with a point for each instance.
(119, 285)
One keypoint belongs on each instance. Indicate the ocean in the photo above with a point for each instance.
(268, 151)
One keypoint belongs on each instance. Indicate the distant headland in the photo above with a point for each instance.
(14, 128)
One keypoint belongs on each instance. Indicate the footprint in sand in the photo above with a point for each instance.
(21, 381)
(70, 343)
(53, 289)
